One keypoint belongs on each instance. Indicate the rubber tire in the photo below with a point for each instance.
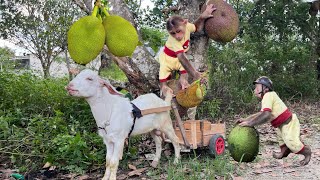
(217, 138)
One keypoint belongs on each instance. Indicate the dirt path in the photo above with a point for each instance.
(266, 167)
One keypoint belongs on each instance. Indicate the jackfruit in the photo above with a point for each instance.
(224, 25)
(121, 37)
(192, 96)
(243, 143)
(86, 39)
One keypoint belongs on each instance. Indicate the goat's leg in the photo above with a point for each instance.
(114, 161)
(169, 131)
(158, 142)
(108, 158)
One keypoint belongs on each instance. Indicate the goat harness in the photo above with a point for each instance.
(138, 113)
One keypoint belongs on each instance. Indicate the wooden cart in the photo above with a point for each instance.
(202, 133)
(195, 134)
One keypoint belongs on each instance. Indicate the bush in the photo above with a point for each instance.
(39, 122)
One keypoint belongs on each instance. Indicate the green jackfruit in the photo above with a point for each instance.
(224, 25)
(192, 96)
(121, 36)
(86, 39)
(243, 143)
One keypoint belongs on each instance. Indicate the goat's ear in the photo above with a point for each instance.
(109, 87)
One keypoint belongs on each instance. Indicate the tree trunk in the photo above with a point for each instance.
(190, 9)
(145, 64)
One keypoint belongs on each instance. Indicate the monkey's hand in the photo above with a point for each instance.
(207, 13)
(166, 91)
(246, 124)
(238, 121)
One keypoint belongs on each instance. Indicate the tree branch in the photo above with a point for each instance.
(82, 6)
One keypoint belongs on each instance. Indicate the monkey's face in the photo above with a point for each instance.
(178, 32)
(258, 90)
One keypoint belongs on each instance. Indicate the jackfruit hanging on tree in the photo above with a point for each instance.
(87, 36)
(224, 25)
(121, 37)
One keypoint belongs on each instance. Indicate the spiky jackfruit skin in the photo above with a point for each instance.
(224, 25)
(192, 96)
(121, 36)
(243, 141)
(86, 39)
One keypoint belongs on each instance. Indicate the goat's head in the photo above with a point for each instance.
(85, 84)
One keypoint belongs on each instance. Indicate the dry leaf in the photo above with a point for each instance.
(167, 152)
(52, 168)
(46, 165)
(261, 171)
(289, 170)
(132, 167)
(238, 178)
(122, 176)
(150, 157)
(266, 170)
(83, 177)
(295, 174)
(137, 172)
(273, 174)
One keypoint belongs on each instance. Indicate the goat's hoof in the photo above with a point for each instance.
(154, 164)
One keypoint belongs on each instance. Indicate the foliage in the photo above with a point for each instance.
(46, 124)
(38, 26)
(113, 72)
(154, 37)
(6, 54)
(151, 17)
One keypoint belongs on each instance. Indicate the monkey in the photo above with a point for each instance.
(173, 57)
(275, 111)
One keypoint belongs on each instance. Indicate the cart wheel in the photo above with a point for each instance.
(216, 145)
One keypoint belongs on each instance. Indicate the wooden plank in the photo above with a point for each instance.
(155, 110)
(201, 130)
(178, 119)
(187, 124)
(188, 136)
(216, 129)
(206, 140)
(194, 136)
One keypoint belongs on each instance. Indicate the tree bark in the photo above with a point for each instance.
(197, 54)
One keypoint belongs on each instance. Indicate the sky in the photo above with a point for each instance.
(19, 51)
(145, 3)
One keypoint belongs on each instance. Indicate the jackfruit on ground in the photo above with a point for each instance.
(121, 36)
(224, 25)
(86, 39)
(243, 143)
(192, 96)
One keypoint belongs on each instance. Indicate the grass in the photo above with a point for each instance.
(194, 167)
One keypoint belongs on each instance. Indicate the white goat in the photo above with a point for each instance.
(113, 115)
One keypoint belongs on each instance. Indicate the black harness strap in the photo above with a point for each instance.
(136, 114)
(103, 129)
